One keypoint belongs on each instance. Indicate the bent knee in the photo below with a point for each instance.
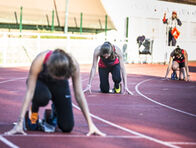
(66, 128)
(175, 66)
(105, 90)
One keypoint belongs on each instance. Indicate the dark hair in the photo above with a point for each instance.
(107, 48)
(178, 51)
(60, 64)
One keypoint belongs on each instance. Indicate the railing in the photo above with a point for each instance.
(21, 48)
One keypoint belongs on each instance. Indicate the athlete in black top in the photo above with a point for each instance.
(179, 62)
(48, 80)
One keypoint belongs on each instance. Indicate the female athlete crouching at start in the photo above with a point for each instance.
(178, 62)
(48, 80)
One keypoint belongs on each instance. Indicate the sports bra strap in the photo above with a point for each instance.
(47, 56)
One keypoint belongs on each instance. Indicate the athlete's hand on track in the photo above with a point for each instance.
(188, 78)
(128, 91)
(88, 88)
(95, 131)
(165, 78)
(17, 129)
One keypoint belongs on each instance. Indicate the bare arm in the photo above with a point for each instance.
(32, 78)
(93, 68)
(35, 68)
(94, 65)
(169, 66)
(186, 65)
(122, 68)
(81, 100)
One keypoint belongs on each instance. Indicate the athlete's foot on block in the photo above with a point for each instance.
(49, 121)
(174, 76)
(32, 123)
(118, 90)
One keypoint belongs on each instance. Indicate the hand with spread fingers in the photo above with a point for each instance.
(95, 131)
(126, 90)
(165, 78)
(188, 78)
(17, 129)
(87, 89)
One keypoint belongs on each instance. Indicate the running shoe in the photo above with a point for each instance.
(32, 123)
(174, 76)
(49, 122)
(117, 90)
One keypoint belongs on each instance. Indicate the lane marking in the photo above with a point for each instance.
(10, 144)
(156, 102)
(15, 79)
(112, 124)
(4, 140)
(130, 131)
(75, 136)
(183, 143)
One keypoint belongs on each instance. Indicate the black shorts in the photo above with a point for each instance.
(181, 65)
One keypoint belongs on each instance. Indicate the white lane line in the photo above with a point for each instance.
(75, 136)
(131, 131)
(183, 143)
(10, 80)
(4, 140)
(150, 99)
(117, 126)
(10, 144)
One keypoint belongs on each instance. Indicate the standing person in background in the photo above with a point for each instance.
(172, 30)
(48, 80)
(111, 60)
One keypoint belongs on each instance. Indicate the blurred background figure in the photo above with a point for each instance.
(172, 31)
(178, 62)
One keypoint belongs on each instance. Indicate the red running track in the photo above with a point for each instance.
(161, 113)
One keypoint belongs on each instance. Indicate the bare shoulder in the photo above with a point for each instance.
(172, 53)
(36, 65)
(41, 55)
(117, 48)
(97, 50)
(75, 63)
(118, 51)
(185, 52)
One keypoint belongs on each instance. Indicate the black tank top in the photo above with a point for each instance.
(180, 59)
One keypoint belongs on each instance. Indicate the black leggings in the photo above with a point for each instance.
(104, 77)
(171, 39)
(58, 91)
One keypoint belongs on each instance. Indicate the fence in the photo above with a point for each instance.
(21, 48)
